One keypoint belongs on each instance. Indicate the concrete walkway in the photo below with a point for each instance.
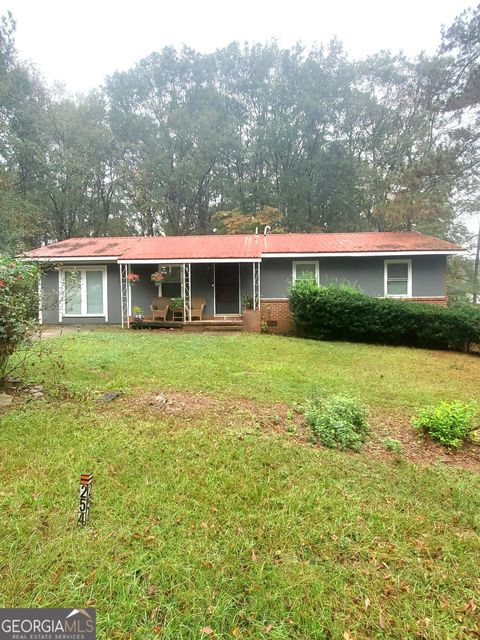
(55, 331)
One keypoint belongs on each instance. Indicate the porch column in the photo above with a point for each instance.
(256, 285)
(187, 292)
(40, 297)
(125, 296)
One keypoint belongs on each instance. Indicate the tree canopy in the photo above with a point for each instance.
(302, 139)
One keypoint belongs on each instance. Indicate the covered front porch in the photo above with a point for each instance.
(224, 289)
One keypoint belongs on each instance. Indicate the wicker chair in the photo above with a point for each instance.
(198, 305)
(159, 308)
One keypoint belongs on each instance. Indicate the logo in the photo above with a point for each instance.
(47, 624)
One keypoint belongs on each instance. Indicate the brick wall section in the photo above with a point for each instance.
(276, 315)
(278, 318)
(251, 321)
(443, 300)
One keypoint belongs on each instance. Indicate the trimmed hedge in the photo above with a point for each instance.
(339, 312)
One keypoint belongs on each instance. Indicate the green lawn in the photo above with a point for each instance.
(202, 518)
(266, 368)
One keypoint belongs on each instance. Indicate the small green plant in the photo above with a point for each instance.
(176, 303)
(137, 311)
(338, 422)
(247, 302)
(394, 446)
(292, 429)
(450, 423)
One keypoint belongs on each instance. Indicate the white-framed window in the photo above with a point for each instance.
(83, 292)
(398, 278)
(172, 285)
(306, 270)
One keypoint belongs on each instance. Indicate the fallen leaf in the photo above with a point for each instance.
(254, 556)
(367, 603)
(152, 590)
(470, 606)
(57, 574)
(381, 621)
(235, 632)
(347, 636)
(207, 630)
(268, 628)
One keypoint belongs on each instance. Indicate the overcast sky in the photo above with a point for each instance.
(80, 42)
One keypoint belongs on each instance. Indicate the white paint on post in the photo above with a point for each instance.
(86, 480)
(40, 298)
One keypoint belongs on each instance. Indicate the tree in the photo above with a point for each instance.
(236, 221)
(18, 291)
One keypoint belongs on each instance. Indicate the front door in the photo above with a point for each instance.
(227, 289)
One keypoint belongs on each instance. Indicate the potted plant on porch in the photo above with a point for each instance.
(133, 278)
(158, 276)
(176, 307)
(137, 314)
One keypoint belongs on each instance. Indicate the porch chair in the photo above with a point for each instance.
(198, 305)
(159, 308)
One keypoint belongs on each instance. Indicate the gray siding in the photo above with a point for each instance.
(428, 275)
(50, 285)
(114, 299)
(143, 292)
(246, 280)
(275, 277)
(202, 285)
(50, 296)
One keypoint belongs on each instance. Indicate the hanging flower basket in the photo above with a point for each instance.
(158, 276)
(133, 278)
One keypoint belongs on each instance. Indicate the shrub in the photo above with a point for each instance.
(18, 307)
(394, 446)
(341, 313)
(338, 422)
(449, 423)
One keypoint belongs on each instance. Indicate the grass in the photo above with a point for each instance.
(202, 520)
(266, 368)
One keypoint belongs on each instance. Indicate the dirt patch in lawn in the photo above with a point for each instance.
(288, 420)
(417, 448)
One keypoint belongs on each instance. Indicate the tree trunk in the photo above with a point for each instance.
(476, 283)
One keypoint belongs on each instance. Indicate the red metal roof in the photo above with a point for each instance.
(246, 246)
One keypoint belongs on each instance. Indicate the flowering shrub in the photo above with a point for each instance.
(18, 306)
(133, 277)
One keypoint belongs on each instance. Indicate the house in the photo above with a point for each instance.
(89, 280)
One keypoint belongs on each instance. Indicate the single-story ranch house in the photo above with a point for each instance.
(101, 280)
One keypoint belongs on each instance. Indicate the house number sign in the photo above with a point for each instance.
(85, 495)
